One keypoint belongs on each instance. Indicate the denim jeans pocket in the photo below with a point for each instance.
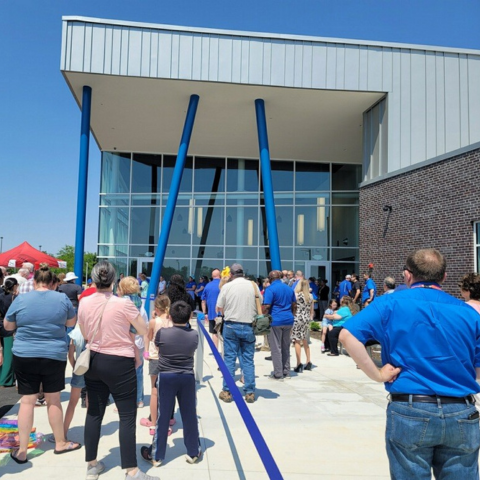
(408, 432)
(469, 431)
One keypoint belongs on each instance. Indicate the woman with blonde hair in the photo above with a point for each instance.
(303, 317)
(347, 309)
(160, 319)
(129, 287)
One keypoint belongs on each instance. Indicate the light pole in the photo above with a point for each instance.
(40, 247)
(1, 244)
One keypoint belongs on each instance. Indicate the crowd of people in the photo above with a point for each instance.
(54, 321)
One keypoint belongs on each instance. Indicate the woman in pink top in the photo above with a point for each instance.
(470, 290)
(106, 322)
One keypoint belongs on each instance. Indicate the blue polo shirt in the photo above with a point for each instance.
(369, 285)
(280, 298)
(210, 294)
(433, 337)
(345, 288)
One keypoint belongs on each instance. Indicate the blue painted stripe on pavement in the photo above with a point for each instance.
(257, 437)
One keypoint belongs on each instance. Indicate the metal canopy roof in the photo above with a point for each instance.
(147, 115)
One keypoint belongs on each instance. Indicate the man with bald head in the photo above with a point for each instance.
(209, 302)
(280, 302)
(431, 355)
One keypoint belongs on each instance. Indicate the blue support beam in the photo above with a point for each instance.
(82, 184)
(267, 185)
(172, 199)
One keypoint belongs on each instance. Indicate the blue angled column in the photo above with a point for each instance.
(82, 184)
(172, 199)
(267, 184)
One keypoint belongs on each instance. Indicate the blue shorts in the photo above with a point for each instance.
(77, 381)
(326, 323)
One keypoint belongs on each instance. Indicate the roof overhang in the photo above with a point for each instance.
(147, 115)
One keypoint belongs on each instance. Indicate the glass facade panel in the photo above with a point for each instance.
(339, 270)
(220, 216)
(241, 226)
(345, 198)
(182, 228)
(345, 254)
(144, 225)
(346, 177)
(312, 177)
(209, 175)
(115, 173)
(146, 173)
(282, 176)
(113, 225)
(345, 226)
(242, 175)
(114, 200)
(311, 226)
(168, 167)
(207, 224)
(146, 199)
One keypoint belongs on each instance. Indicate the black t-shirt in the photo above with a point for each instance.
(71, 290)
(353, 291)
(324, 292)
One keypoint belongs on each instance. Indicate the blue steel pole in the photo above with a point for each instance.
(82, 184)
(172, 199)
(267, 185)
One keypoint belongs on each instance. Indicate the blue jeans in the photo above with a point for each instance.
(239, 340)
(139, 372)
(421, 437)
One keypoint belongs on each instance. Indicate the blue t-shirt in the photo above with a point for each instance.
(280, 298)
(433, 337)
(345, 313)
(41, 318)
(369, 285)
(210, 294)
(345, 288)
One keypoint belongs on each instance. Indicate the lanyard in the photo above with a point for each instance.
(425, 285)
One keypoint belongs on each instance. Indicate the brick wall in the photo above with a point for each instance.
(433, 206)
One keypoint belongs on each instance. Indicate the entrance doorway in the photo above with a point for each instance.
(144, 265)
(317, 270)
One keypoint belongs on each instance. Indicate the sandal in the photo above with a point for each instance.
(145, 453)
(70, 448)
(16, 459)
(145, 422)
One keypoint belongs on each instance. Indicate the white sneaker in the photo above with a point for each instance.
(141, 476)
(193, 460)
(94, 472)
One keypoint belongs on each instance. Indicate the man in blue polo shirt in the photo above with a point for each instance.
(281, 303)
(209, 302)
(345, 287)
(431, 355)
(369, 290)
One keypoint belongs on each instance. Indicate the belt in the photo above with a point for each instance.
(405, 397)
(238, 323)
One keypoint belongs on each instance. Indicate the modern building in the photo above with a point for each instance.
(374, 148)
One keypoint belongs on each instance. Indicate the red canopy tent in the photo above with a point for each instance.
(26, 253)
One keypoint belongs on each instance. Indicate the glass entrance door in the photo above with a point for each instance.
(144, 265)
(318, 270)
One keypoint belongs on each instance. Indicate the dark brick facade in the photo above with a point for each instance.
(433, 206)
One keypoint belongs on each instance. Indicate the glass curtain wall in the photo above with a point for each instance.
(220, 216)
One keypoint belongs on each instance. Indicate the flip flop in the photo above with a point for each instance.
(17, 460)
(70, 448)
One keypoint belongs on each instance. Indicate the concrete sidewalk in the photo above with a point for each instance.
(327, 423)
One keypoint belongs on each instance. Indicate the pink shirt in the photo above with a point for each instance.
(113, 336)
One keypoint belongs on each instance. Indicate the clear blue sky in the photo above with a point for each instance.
(40, 121)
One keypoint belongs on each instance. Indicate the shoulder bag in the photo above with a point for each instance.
(83, 361)
(261, 323)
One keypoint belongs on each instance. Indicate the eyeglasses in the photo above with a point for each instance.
(406, 268)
